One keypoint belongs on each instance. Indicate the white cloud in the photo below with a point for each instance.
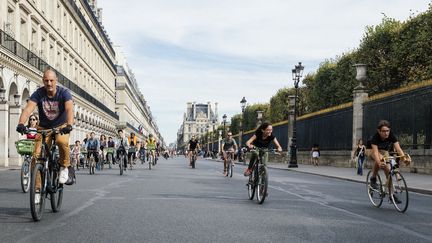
(193, 50)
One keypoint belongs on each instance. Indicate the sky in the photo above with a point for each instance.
(221, 50)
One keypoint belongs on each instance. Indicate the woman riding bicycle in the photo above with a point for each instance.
(261, 139)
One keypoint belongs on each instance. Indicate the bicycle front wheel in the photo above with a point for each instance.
(56, 195)
(37, 193)
(399, 197)
(25, 175)
(376, 194)
(150, 162)
(262, 184)
(121, 161)
(251, 185)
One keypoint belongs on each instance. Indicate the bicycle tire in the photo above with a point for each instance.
(121, 164)
(251, 185)
(56, 196)
(262, 184)
(37, 209)
(150, 162)
(26, 175)
(230, 167)
(376, 196)
(400, 189)
(193, 162)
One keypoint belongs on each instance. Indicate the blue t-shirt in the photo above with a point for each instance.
(51, 110)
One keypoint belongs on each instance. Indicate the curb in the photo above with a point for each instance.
(411, 189)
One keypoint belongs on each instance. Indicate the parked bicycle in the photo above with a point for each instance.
(395, 186)
(47, 169)
(25, 149)
(258, 179)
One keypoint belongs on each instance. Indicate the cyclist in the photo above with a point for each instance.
(228, 145)
(55, 109)
(382, 143)
(261, 139)
(122, 146)
(132, 141)
(193, 145)
(110, 144)
(150, 146)
(76, 151)
(93, 145)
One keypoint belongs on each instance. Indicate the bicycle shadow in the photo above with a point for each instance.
(15, 215)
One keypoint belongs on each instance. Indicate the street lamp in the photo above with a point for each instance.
(297, 73)
(2, 94)
(224, 117)
(259, 117)
(17, 99)
(219, 141)
(243, 107)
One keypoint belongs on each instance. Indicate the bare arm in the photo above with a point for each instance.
(376, 155)
(69, 112)
(249, 142)
(278, 147)
(27, 111)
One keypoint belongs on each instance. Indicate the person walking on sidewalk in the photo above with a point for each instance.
(315, 154)
(262, 138)
(359, 156)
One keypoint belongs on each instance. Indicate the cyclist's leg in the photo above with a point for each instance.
(265, 158)
(254, 156)
(225, 160)
(36, 152)
(62, 141)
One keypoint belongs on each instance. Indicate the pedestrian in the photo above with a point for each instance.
(103, 145)
(359, 156)
(315, 154)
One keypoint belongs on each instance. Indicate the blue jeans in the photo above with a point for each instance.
(360, 161)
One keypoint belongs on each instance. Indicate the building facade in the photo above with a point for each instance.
(197, 120)
(68, 36)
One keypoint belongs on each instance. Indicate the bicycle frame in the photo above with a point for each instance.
(47, 156)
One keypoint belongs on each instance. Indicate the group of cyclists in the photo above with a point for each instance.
(55, 110)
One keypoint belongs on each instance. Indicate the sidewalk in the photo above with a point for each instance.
(416, 182)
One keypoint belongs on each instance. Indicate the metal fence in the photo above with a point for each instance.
(331, 131)
(410, 116)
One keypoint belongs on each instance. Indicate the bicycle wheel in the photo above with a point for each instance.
(262, 184)
(56, 195)
(38, 207)
(230, 167)
(193, 161)
(400, 190)
(251, 185)
(375, 195)
(25, 174)
(121, 164)
(150, 162)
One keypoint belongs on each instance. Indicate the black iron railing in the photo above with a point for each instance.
(22, 52)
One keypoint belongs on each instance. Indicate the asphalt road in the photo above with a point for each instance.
(173, 203)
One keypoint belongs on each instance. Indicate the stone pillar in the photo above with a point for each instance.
(4, 136)
(290, 121)
(14, 114)
(360, 96)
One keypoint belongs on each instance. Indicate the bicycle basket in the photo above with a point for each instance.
(25, 146)
(110, 150)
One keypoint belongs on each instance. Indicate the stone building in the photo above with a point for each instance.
(68, 36)
(197, 120)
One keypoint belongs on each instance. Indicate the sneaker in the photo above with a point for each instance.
(373, 183)
(247, 172)
(37, 198)
(396, 199)
(64, 175)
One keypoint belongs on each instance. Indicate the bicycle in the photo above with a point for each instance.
(48, 169)
(151, 156)
(110, 156)
(395, 186)
(193, 159)
(92, 161)
(229, 163)
(25, 149)
(258, 179)
(121, 158)
(84, 154)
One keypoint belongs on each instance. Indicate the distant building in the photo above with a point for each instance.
(197, 120)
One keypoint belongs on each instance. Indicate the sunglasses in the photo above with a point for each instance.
(33, 119)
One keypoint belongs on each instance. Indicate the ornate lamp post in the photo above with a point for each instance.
(297, 73)
(17, 99)
(2, 94)
(224, 117)
(259, 117)
(243, 103)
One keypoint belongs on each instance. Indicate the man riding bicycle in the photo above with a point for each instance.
(229, 145)
(382, 144)
(193, 146)
(122, 147)
(92, 145)
(150, 146)
(55, 107)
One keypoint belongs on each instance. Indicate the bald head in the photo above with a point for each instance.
(50, 81)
